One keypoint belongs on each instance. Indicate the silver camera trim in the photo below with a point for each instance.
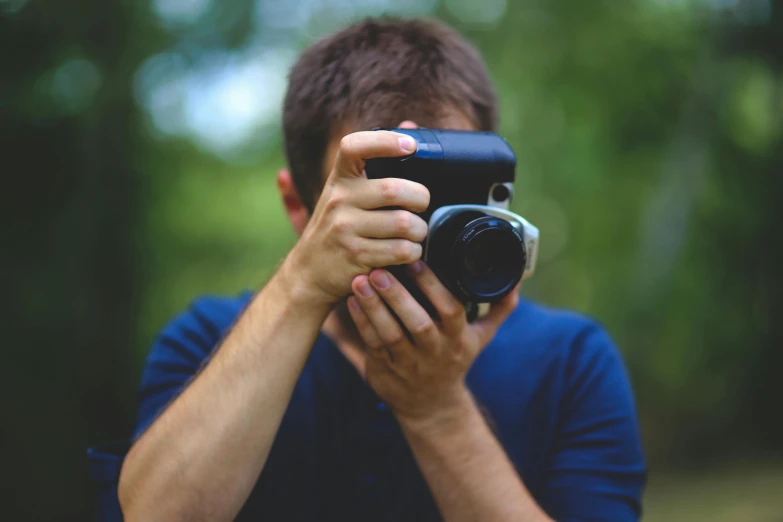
(529, 232)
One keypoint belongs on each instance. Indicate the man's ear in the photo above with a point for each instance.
(296, 210)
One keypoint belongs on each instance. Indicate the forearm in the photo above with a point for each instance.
(200, 458)
(467, 470)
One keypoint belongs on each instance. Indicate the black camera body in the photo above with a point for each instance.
(477, 247)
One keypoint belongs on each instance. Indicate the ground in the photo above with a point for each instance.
(729, 495)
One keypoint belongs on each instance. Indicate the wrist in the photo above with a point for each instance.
(290, 286)
(448, 418)
(292, 278)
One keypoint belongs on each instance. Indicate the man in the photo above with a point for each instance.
(299, 404)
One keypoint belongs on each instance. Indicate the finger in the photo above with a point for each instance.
(450, 310)
(488, 325)
(377, 253)
(371, 194)
(386, 224)
(389, 330)
(360, 146)
(407, 124)
(363, 326)
(415, 319)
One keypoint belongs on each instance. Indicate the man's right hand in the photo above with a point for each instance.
(347, 236)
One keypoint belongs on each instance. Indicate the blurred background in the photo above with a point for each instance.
(140, 141)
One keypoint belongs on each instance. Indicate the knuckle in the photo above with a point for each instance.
(460, 347)
(390, 189)
(425, 328)
(337, 196)
(404, 251)
(451, 312)
(354, 249)
(340, 226)
(393, 338)
(347, 145)
(403, 222)
(373, 343)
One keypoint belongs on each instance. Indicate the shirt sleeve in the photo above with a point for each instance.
(176, 356)
(597, 469)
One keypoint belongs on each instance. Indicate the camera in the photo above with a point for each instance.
(475, 245)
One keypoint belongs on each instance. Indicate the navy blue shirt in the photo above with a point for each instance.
(551, 384)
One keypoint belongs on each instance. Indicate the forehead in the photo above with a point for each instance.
(453, 120)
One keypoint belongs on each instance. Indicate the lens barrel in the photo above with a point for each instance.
(480, 257)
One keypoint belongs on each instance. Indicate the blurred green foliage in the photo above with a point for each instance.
(650, 152)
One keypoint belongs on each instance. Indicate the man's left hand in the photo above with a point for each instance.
(421, 374)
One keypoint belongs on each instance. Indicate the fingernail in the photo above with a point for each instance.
(415, 268)
(365, 290)
(380, 280)
(353, 304)
(407, 143)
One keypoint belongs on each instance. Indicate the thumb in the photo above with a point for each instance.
(487, 326)
(360, 146)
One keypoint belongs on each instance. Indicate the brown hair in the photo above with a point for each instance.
(377, 73)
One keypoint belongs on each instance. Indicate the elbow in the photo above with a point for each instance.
(125, 494)
(140, 499)
(132, 494)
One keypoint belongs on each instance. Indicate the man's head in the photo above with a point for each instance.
(377, 73)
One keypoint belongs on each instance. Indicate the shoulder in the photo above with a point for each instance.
(578, 344)
(534, 331)
(568, 364)
(536, 321)
(209, 315)
(180, 349)
(558, 350)
(203, 323)
(558, 389)
(595, 465)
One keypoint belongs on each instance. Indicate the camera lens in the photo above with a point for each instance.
(480, 258)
